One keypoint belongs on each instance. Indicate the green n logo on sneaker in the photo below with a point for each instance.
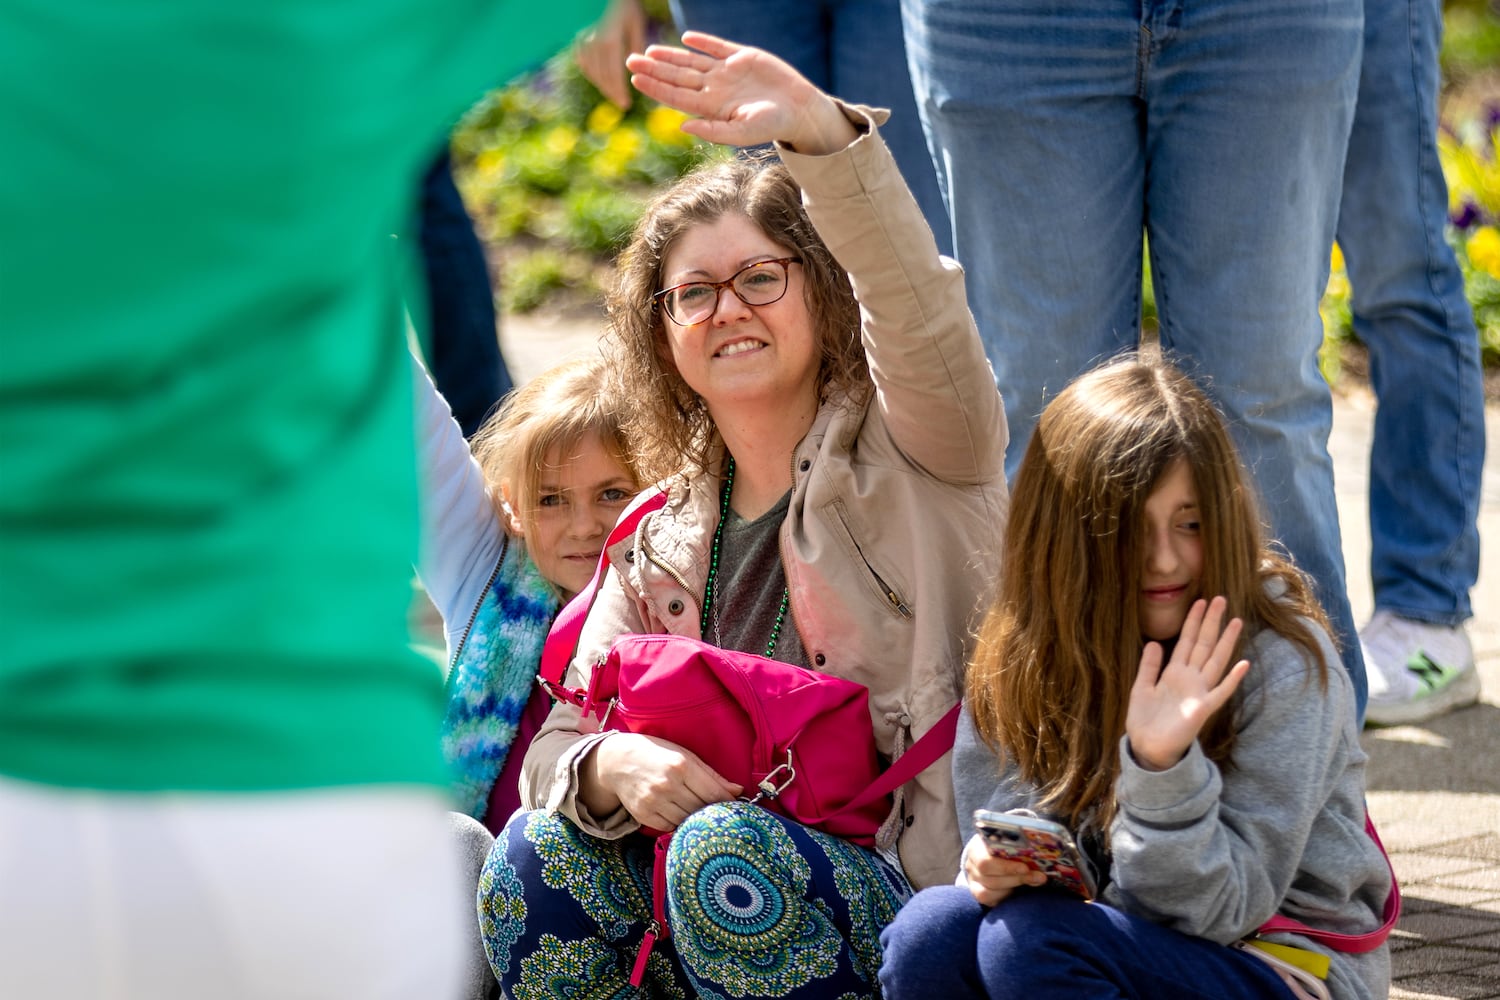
(1432, 675)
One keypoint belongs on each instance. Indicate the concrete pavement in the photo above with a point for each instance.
(1434, 789)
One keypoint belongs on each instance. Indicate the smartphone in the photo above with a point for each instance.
(1040, 844)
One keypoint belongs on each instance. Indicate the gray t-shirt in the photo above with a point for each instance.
(750, 584)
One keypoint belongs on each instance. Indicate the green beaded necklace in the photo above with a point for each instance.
(713, 566)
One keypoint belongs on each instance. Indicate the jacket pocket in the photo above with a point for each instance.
(883, 592)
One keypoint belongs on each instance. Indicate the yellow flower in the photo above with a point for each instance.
(1338, 286)
(604, 118)
(1336, 261)
(619, 151)
(1484, 250)
(664, 125)
(561, 140)
(490, 163)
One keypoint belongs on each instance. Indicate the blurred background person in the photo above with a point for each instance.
(1410, 311)
(219, 765)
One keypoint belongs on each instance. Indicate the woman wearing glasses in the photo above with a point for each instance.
(791, 330)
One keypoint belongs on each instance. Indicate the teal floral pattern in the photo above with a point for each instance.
(586, 970)
(758, 906)
(740, 910)
(615, 893)
(873, 894)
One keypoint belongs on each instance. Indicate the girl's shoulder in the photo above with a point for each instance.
(1281, 667)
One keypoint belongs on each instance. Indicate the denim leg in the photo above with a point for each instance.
(1037, 133)
(1062, 131)
(931, 948)
(1249, 104)
(869, 66)
(466, 362)
(793, 30)
(850, 48)
(762, 906)
(1411, 312)
(1045, 944)
(563, 914)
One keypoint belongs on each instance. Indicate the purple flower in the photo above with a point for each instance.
(1466, 215)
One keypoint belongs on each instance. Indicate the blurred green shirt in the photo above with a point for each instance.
(207, 478)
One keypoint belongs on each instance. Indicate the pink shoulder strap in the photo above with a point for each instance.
(562, 641)
(1348, 942)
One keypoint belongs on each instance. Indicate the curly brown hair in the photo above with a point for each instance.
(670, 421)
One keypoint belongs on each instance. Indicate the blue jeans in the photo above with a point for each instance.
(1410, 311)
(850, 48)
(1065, 130)
(462, 344)
(1045, 944)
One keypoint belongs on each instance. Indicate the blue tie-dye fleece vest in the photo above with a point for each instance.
(494, 673)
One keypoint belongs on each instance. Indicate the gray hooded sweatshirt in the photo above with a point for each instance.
(1214, 853)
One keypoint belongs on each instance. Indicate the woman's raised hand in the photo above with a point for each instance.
(1170, 705)
(659, 783)
(740, 96)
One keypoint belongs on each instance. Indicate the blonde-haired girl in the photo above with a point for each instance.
(509, 533)
(1156, 677)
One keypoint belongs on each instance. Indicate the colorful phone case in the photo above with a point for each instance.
(1042, 845)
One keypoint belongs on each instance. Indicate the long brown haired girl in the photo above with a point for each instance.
(1155, 677)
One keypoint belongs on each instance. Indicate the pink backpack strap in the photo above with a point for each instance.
(1348, 942)
(919, 757)
(562, 641)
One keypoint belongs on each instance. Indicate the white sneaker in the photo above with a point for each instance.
(1416, 671)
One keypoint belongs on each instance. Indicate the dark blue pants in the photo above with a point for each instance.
(462, 343)
(1039, 944)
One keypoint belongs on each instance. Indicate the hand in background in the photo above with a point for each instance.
(741, 96)
(1170, 705)
(601, 50)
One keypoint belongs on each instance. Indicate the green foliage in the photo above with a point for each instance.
(1468, 154)
(1149, 322)
(550, 169)
(528, 280)
(598, 218)
(1471, 38)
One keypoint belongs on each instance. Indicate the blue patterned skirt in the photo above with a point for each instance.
(758, 906)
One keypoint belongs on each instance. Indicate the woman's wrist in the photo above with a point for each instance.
(594, 790)
(824, 128)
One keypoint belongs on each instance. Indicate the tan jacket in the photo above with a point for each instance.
(893, 536)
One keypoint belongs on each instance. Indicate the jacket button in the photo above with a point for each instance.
(630, 555)
(674, 606)
(805, 465)
(910, 820)
(820, 659)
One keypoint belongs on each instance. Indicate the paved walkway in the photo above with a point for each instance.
(1434, 790)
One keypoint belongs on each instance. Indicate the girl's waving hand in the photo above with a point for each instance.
(1169, 705)
(741, 96)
